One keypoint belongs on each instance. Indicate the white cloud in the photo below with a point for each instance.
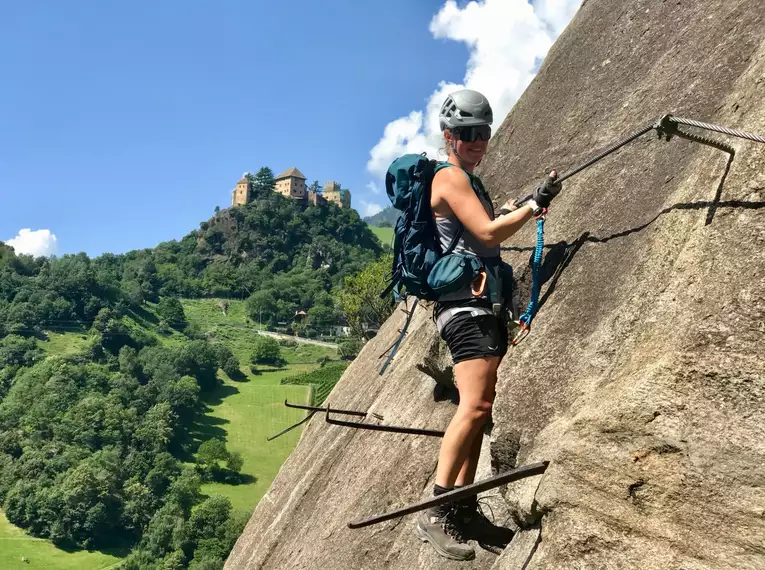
(506, 40)
(369, 208)
(373, 187)
(38, 243)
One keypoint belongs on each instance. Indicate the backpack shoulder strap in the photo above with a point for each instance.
(458, 235)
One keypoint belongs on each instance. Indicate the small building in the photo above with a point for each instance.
(291, 183)
(339, 330)
(242, 194)
(316, 199)
(334, 193)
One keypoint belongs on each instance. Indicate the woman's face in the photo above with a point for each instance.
(470, 152)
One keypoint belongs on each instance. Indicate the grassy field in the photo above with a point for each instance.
(15, 543)
(64, 343)
(385, 235)
(243, 413)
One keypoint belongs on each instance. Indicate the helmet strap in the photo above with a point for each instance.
(459, 158)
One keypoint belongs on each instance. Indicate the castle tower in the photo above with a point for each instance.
(291, 183)
(334, 193)
(242, 193)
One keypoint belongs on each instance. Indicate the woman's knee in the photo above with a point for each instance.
(478, 411)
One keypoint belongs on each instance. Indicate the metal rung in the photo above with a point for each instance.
(457, 494)
(320, 409)
(300, 423)
(377, 427)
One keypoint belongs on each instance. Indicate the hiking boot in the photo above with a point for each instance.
(475, 526)
(440, 528)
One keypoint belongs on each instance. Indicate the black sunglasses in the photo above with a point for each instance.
(471, 134)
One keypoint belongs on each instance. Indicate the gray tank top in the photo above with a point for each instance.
(448, 227)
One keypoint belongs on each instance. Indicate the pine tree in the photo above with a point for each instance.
(262, 182)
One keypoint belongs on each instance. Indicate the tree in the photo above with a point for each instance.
(235, 462)
(171, 312)
(360, 298)
(208, 520)
(267, 351)
(262, 182)
(176, 560)
(231, 368)
(262, 305)
(211, 451)
(316, 188)
(350, 348)
(185, 490)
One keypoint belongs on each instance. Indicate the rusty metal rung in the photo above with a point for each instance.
(377, 427)
(320, 409)
(293, 426)
(458, 494)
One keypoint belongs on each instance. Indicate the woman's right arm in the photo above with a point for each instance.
(453, 194)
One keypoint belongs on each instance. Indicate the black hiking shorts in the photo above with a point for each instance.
(469, 337)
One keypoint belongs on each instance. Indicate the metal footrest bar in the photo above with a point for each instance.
(456, 495)
(320, 409)
(377, 427)
(293, 426)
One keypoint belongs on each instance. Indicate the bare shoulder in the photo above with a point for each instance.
(448, 187)
(450, 179)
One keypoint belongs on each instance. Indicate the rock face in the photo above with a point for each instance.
(643, 381)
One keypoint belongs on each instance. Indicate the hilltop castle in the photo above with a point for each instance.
(291, 183)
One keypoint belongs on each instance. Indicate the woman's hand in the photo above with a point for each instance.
(546, 191)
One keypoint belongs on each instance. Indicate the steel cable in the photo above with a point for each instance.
(718, 128)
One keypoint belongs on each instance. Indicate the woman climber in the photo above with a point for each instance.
(470, 320)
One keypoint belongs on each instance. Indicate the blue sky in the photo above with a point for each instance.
(124, 124)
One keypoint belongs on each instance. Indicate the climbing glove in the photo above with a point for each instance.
(546, 191)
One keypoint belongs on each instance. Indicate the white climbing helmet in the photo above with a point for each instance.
(465, 108)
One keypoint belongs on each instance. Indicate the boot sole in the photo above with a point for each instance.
(425, 537)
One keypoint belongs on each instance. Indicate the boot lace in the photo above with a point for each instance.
(452, 524)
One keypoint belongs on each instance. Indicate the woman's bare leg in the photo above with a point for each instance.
(466, 475)
(475, 381)
(469, 467)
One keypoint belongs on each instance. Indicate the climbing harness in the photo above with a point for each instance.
(666, 127)
(458, 494)
(447, 314)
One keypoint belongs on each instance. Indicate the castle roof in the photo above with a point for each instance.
(243, 180)
(291, 173)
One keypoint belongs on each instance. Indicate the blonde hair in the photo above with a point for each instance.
(446, 148)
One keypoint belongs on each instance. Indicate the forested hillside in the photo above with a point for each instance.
(384, 218)
(287, 255)
(103, 380)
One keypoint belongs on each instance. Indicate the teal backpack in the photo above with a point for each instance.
(416, 247)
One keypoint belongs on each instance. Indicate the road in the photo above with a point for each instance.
(298, 339)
